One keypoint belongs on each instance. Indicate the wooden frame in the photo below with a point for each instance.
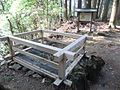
(87, 11)
(73, 52)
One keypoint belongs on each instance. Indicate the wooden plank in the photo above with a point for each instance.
(72, 35)
(67, 82)
(59, 55)
(42, 36)
(35, 57)
(37, 40)
(17, 45)
(86, 10)
(3, 38)
(16, 53)
(35, 68)
(62, 33)
(80, 50)
(10, 44)
(72, 65)
(62, 66)
(39, 46)
(77, 43)
(57, 41)
(52, 32)
(71, 47)
(27, 33)
(58, 81)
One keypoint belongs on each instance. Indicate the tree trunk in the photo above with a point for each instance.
(113, 14)
(10, 25)
(105, 10)
(61, 5)
(100, 8)
(83, 3)
(69, 7)
(118, 12)
(93, 3)
(88, 3)
(79, 5)
(2, 5)
(66, 16)
(47, 15)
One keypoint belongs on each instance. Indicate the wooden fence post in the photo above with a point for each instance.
(10, 44)
(62, 65)
(42, 36)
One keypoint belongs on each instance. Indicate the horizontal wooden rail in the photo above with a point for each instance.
(80, 49)
(72, 65)
(72, 35)
(35, 68)
(8, 56)
(39, 46)
(35, 57)
(63, 34)
(3, 38)
(57, 41)
(27, 33)
(48, 31)
(71, 47)
(77, 43)
(52, 32)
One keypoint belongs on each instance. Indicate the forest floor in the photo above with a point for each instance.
(105, 45)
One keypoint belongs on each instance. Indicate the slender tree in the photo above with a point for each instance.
(1, 2)
(118, 12)
(79, 3)
(113, 14)
(100, 8)
(93, 3)
(105, 9)
(69, 7)
(88, 3)
(66, 10)
(10, 26)
(83, 3)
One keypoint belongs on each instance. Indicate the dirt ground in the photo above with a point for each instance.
(109, 49)
(109, 79)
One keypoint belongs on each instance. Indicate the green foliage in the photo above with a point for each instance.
(7, 4)
(3, 49)
(26, 15)
(27, 4)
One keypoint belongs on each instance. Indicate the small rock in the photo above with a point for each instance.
(24, 69)
(8, 61)
(3, 62)
(11, 63)
(15, 67)
(110, 68)
(112, 72)
(36, 75)
(43, 80)
(29, 73)
(1, 58)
